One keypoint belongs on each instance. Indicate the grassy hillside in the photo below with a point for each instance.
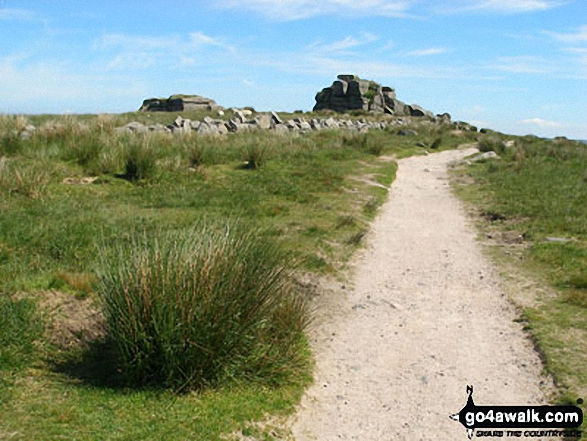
(149, 284)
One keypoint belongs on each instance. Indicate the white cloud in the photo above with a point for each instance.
(48, 86)
(580, 35)
(344, 44)
(428, 52)
(542, 123)
(136, 42)
(577, 50)
(198, 39)
(17, 14)
(316, 64)
(477, 123)
(525, 64)
(137, 52)
(132, 61)
(499, 6)
(389, 45)
(172, 43)
(288, 10)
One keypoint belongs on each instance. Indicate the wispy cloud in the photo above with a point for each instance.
(198, 39)
(578, 36)
(345, 44)
(498, 6)
(525, 64)
(542, 123)
(576, 50)
(137, 42)
(132, 61)
(288, 10)
(17, 14)
(136, 52)
(62, 85)
(428, 52)
(161, 42)
(325, 65)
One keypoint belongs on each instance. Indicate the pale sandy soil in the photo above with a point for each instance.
(426, 316)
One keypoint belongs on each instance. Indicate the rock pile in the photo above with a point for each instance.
(179, 103)
(349, 92)
(262, 121)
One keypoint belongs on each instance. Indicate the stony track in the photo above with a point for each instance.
(426, 317)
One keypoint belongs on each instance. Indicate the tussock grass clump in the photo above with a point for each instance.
(199, 154)
(364, 143)
(491, 143)
(194, 308)
(10, 143)
(84, 150)
(11, 127)
(255, 155)
(140, 160)
(29, 180)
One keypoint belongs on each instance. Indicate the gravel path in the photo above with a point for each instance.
(426, 318)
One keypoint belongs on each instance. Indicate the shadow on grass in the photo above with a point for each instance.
(94, 365)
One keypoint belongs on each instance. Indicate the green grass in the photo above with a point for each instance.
(539, 189)
(301, 193)
(190, 309)
(17, 347)
(47, 408)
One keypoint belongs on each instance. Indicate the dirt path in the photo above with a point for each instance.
(426, 318)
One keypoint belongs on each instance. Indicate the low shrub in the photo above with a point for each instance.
(195, 308)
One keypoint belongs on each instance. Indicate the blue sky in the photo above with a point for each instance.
(518, 66)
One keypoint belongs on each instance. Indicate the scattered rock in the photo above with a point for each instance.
(305, 126)
(281, 129)
(263, 121)
(484, 156)
(559, 239)
(157, 128)
(79, 181)
(275, 119)
(27, 132)
(179, 103)
(132, 127)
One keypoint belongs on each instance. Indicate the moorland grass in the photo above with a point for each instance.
(16, 346)
(149, 189)
(539, 189)
(190, 308)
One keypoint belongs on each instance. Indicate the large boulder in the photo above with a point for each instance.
(179, 103)
(349, 92)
